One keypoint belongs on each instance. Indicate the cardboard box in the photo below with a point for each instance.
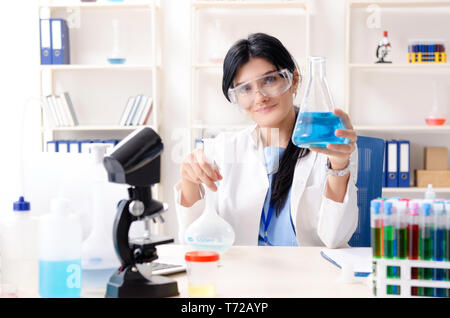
(436, 158)
(438, 178)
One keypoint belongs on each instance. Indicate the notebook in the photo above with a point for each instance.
(360, 257)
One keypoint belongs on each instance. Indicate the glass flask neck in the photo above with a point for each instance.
(317, 67)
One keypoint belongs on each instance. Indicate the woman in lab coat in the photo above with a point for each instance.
(269, 190)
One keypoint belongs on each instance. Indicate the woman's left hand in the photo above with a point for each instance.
(339, 154)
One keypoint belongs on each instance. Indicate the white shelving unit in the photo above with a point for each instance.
(141, 74)
(367, 121)
(198, 127)
(151, 69)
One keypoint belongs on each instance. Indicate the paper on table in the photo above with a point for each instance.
(359, 257)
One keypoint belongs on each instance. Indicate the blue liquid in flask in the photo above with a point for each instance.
(60, 279)
(316, 129)
(119, 60)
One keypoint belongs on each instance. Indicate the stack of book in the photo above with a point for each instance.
(59, 110)
(137, 111)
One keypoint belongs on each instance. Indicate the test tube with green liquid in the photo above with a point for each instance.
(439, 243)
(447, 240)
(388, 232)
(426, 234)
(376, 225)
(401, 239)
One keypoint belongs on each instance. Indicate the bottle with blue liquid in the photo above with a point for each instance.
(59, 252)
(316, 124)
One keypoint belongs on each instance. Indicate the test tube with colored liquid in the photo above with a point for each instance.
(389, 247)
(447, 240)
(376, 225)
(413, 240)
(401, 239)
(400, 230)
(426, 247)
(439, 243)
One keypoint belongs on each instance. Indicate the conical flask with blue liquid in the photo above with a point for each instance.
(316, 123)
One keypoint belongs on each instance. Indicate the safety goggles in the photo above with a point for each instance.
(272, 84)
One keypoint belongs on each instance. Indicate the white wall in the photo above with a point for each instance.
(19, 76)
(20, 82)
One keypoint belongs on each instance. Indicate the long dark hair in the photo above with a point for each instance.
(270, 48)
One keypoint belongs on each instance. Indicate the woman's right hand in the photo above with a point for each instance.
(195, 170)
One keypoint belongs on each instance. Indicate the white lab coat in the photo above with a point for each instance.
(318, 221)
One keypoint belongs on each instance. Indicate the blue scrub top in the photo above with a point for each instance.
(280, 231)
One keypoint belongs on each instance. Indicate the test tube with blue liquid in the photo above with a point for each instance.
(439, 243)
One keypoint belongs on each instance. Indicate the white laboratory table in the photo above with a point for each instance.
(270, 272)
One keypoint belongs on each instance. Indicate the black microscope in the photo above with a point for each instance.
(136, 161)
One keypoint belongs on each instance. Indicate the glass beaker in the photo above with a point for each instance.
(316, 123)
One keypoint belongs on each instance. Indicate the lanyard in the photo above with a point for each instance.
(267, 222)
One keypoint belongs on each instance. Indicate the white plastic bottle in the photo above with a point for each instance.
(99, 259)
(59, 252)
(19, 249)
(430, 195)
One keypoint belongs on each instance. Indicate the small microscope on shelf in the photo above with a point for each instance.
(383, 48)
(136, 161)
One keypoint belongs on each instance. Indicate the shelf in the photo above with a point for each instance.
(97, 128)
(127, 4)
(79, 67)
(418, 128)
(400, 3)
(402, 66)
(249, 4)
(414, 190)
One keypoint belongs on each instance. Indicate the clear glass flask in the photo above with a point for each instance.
(116, 56)
(210, 232)
(316, 123)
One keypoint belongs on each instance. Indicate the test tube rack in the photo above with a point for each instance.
(405, 282)
(433, 57)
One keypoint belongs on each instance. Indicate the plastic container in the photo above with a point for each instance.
(19, 248)
(316, 123)
(59, 251)
(99, 260)
(202, 270)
